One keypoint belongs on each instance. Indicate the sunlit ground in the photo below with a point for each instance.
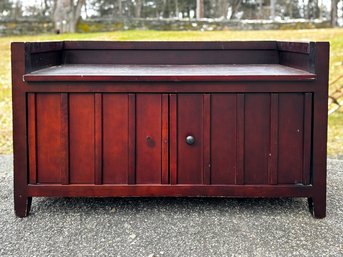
(335, 36)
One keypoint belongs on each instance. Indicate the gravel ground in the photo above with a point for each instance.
(171, 226)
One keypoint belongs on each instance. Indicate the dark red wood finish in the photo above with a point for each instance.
(99, 119)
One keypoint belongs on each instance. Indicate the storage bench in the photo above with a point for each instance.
(127, 119)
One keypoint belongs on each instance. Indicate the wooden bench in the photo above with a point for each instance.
(124, 119)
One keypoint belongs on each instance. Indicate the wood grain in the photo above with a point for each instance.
(65, 139)
(291, 112)
(132, 139)
(32, 144)
(49, 145)
(240, 133)
(115, 138)
(165, 139)
(274, 139)
(171, 72)
(173, 162)
(190, 123)
(81, 129)
(307, 138)
(256, 138)
(148, 138)
(223, 138)
(98, 139)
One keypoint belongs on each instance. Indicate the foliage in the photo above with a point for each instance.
(335, 36)
(225, 9)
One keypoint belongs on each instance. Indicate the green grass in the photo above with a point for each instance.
(335, 36)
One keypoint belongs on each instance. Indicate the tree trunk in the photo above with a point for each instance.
(120, 8)
(334, 13)
(138, 8)
(164, 11)
(77, 13)
(235, 7)
(222, 8)
(320, 6)
(200, 9)
(272, 9)
(260, 9)
(308, 11)
(66, 15)
(17, 12)
(177, 9)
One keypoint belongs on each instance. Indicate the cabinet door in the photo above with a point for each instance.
(250, 138)
(86, 138)
(277, 138)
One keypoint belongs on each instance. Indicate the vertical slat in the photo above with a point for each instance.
(223, 138)
(81, 132)
(173, 138)
(50, 152)
(64, 139)
(165, 139)
(148, 139)
(115, 129)
(240, 140)
(274, 128)
(307, 138)
(256, 138)
(190, 123)
(132, 139)
(31, 102)
(207, 138)
(98, 138)
(291, 138)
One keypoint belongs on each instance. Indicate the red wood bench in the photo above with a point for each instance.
(122, 119)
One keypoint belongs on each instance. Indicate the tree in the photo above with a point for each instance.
(272, 9)
(17, 10)
(200, 9)
(334, 12)
(138, 8)
(176, 8)
(120, 8)
(66, 15)
(312, 9)
(5, 8)
(222, 8)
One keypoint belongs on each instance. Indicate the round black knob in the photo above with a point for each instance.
(190, 140)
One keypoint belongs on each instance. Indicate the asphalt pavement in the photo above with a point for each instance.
(171, 226)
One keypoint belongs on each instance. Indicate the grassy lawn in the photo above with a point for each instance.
(335, 36)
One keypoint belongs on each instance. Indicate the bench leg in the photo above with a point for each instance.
(22, 205)
(317, 207)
